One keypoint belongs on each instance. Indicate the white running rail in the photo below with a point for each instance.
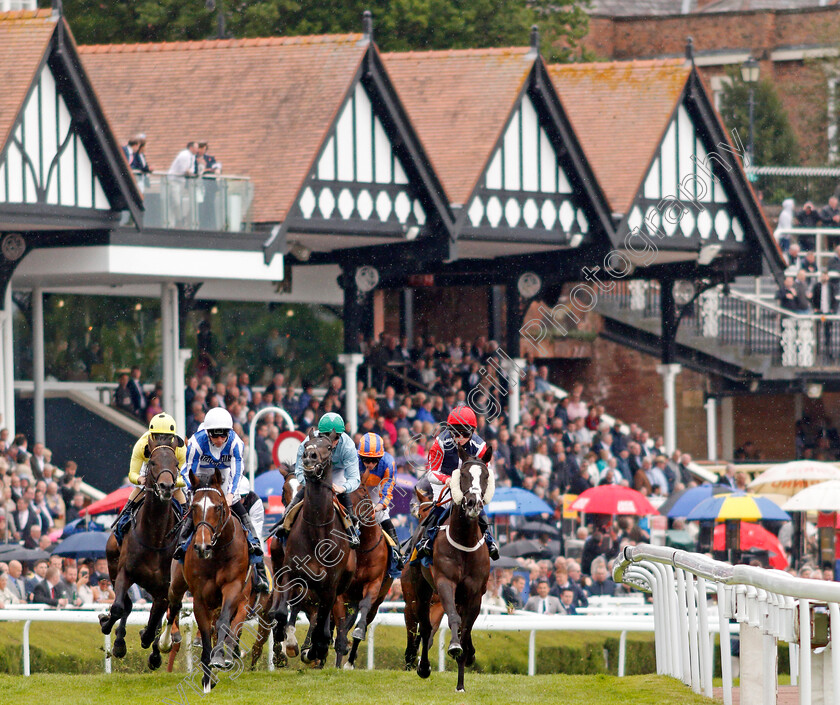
(768, 605)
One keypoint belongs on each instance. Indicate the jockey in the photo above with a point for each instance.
(345, 468)
(443, 460)
(381, 475)
(216, 445)
(161, 432)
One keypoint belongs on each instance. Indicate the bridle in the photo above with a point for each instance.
(216, 531)
(320, 466)
(166, 471)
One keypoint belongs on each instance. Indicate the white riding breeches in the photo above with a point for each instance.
(375, 494)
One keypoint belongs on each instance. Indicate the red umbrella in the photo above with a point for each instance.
(754, 536)
(613, 499)
(113, 502)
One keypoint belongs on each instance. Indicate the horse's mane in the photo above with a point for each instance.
(205, 479)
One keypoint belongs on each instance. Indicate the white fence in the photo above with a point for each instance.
(766, 606)
(621, 615)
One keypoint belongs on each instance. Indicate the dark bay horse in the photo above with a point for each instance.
(412, 623)
(216, 572)
(460, 566)
(370, 583)
(318, 563)
(145, 556)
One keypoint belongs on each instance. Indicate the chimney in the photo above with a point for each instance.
(367, 26)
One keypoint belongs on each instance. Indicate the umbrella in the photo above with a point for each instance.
(790, 478)
(111, 503)
(679, 504)
(824, 497)
(79, 525)
(755, 536)
(403, 492)
(85, 544)
(269, 483)
(25, 555)
(539, 527)
(523, 548)
(505, 562)
(514, 500)
(613, 499)
(737, 506)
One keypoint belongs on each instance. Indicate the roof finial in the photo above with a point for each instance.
(57, 8)
(689, 49)
(367, 25)
(535, 39)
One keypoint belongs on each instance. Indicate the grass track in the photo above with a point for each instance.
(331, 687)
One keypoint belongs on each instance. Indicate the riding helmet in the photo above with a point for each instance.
(330, 422)
(371, 446)
(462, 416)
(218, 418)
(162, 423)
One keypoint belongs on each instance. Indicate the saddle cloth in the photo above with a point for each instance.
(291, 515)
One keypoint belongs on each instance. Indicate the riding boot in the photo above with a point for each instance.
(388, 526)
(484, 525)
(254, 546)
(184, 538)
(352, 531)
(124, 520)
(261, 577)
(424, 546)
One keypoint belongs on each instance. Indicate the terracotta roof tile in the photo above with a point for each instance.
(620, 111)
(264, 105)
(458, 102)
(24, 36)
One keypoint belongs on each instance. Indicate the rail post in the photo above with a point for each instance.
(26, 647)
(532, 653)
(370, 645)
(441, 650)
(622, 653)
(107, 653)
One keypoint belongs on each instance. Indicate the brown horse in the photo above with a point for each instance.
(216, 572)
(370, 584)
(145, 556)
(412, 624)
(318, 563)
(460, 566)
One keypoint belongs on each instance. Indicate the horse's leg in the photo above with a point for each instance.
(202, 620)
(226, 624)
(177, 588)
(321, 634)
(108, 619)
(371, 592)
(423, 593)
(120, 609)
(290, 644)
(263, 628)
(279, 612)
(149, 635)
(305, 654)
(340, 618)
(446, 590)
(472, 607)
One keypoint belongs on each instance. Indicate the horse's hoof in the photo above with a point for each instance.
(164, 646)
(470, 659)
(154, 661)
(280, 660)
(348, 666)
(359, 633)
(424, 671)
(105, 623)
(208, 686)
(293, 651)
(176, 638)
(119, 649)
(460, 690)
(305, 657)
(218, 659)
(455, 651)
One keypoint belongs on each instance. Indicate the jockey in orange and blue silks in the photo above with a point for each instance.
(443, 459)
(379, 475)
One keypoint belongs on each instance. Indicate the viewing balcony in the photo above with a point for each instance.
(211, 202)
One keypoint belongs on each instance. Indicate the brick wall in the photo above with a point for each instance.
(768, 421)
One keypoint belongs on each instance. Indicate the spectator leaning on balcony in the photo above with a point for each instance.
(803, 293)
(794, 261)
(182, 166)
(830, 214)
(808, 217)
(809, 263)
(786, 296)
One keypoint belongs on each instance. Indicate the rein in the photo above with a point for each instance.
(166, 471)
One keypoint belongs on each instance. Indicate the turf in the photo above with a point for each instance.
(331, 687)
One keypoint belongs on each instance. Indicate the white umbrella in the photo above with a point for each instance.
(790, 478)
(824, 497)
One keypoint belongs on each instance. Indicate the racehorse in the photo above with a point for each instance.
(145, 557)
(412, 624)
(318, 563)
(370, 583)
(216, 572)
(460, 566)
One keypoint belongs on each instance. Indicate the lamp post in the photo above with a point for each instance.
(749, 73)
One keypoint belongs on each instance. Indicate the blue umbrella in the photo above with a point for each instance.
(685, 501)
(514, 500)
(269, 483)
(78, 525)
(85, 544)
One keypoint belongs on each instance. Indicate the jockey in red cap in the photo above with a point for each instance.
(443, 460)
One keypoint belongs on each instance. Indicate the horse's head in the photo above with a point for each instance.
(209, 511)
(473, 484)
(161, 469)
(317, 455)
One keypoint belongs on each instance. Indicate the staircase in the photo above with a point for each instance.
(740, 334)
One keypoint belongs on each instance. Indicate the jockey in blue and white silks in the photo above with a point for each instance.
(215, 446)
